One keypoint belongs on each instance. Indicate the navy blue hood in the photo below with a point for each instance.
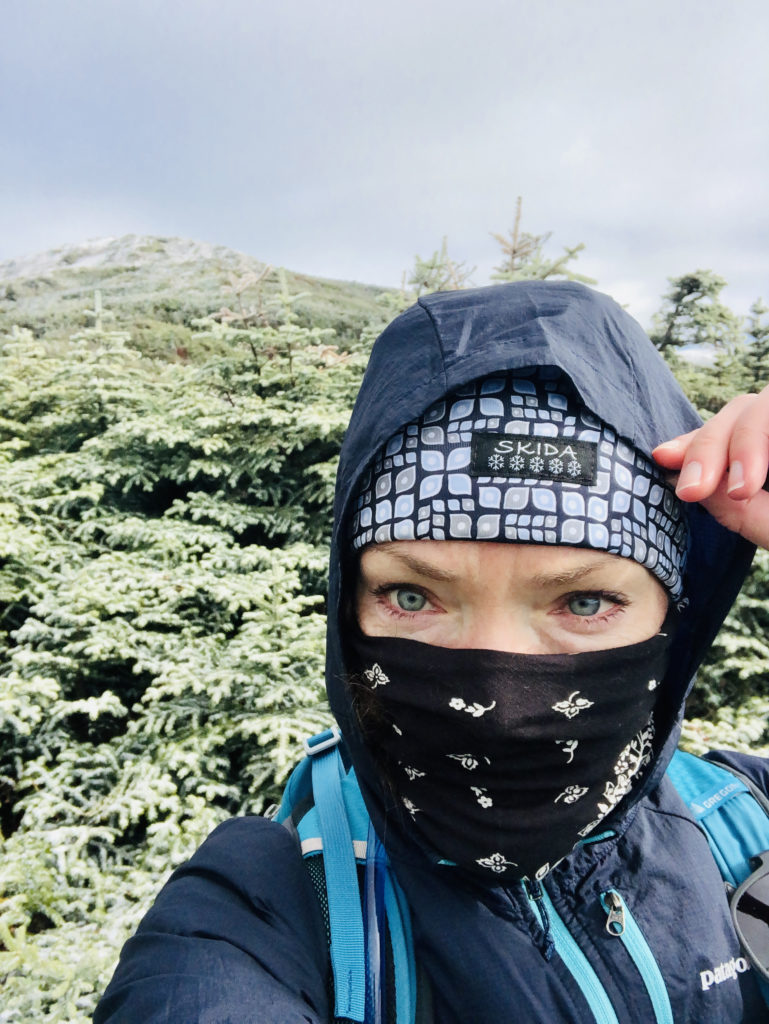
(451, 338)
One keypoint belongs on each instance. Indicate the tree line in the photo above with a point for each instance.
(164, 520)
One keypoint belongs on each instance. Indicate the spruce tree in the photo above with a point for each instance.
(163, 530)
(165, 508)
(524, 256)
(694, 314)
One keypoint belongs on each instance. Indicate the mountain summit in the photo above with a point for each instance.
(146, 280)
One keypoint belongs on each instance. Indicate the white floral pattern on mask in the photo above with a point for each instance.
(376, 676)
(633, 759)
(410, 806)
(571, 794)
(573, 704)
(482, 796)
(475, 750)
(466, 760)
(496, 862)
(569, 747)
(476, 710)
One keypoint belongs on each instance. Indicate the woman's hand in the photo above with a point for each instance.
(723, 465)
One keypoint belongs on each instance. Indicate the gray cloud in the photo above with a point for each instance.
(341, 139)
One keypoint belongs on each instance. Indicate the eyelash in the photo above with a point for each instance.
(618, 601)
(385, 589)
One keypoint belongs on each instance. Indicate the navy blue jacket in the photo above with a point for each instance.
(236, 934)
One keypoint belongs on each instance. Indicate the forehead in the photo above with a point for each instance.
(543, 563)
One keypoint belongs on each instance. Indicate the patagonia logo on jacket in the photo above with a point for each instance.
(723, 972)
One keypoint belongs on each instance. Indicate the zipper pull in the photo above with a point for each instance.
(532, 888)
(615, 909)
(535, 894)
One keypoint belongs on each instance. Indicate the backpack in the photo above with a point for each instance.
(367, 919)
(368, 925)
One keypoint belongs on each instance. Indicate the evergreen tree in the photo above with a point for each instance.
(165, 506)
(438, 273)
(693, 314)
(163, 531)
(524, 256)
(756, 354)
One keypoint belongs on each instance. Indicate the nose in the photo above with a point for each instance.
(503, 630)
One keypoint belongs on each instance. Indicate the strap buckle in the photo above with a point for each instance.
(322, 741)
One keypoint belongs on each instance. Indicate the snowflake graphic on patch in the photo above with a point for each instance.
(496, 462)
(517, 462)
(413, 773)
(555, 466)
(573, 704)
(497, 862)
(475, 709)
(536, 465)
(376, 676)
(574, 468)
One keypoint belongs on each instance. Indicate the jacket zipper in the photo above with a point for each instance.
(575, 960)
(621, 924)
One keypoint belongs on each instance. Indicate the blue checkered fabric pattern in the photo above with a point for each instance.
(434, 480)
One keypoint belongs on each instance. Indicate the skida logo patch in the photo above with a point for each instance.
(561, 459)
(723, 972)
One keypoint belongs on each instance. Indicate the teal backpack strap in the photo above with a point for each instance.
(323, 805)
(757, 794)
(731, 809)
(735, 821)
(399, 920)
(386, 911)
(348, 959)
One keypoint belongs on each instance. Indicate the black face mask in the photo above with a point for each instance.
(505, 761)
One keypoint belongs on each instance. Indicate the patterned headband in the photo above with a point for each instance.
(518, 458)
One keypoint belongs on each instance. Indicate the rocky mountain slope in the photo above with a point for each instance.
(146, 281)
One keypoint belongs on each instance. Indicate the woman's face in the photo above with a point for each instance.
(519, 598)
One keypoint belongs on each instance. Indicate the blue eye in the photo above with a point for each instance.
(410, 600)
(584, 604)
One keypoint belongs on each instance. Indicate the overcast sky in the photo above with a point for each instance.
(341, 138)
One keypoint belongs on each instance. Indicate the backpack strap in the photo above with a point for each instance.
(731, 810)
(756, 792)
(322, 804)
(348, 958)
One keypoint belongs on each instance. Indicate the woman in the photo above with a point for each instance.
(518, 602)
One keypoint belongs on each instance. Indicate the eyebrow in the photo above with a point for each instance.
(565, 577)
(432, 572)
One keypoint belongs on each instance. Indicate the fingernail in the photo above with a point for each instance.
(691, 475)
(736, 477)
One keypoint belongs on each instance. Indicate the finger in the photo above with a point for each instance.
(749, 517)
(749, 449)
(707, 456)
(670, 454)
